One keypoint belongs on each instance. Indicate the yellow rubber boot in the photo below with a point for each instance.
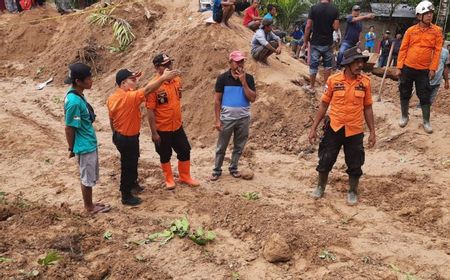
(167, 170)
(184, 169)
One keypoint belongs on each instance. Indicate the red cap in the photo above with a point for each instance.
(237, 56)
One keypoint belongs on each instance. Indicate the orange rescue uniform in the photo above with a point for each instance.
(347, 99)
(166, 103)
(124, 111)
(421, 48)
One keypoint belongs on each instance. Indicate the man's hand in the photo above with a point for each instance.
(312, 136)
(371, 15)
(278, 50)
(170, 74)
(372, 139)
(446, 86)
(71, 154)
(240, 72)
(156, 138)
(431, 74)
(398, 73)
(218, 126)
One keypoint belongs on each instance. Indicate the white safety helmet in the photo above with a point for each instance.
(424, 7)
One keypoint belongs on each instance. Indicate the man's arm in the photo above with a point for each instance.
(154, 85)
(308, 28)
(249, 93)
(336, 24)
(368, 115)
(323, 107)
(152, 122)
(217, 108)
(111, 124)
(70, 137)
(360, 18)
(446, 86)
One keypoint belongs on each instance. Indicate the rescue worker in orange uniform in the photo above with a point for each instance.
(349, 95)
(164, 116)
(418, 60)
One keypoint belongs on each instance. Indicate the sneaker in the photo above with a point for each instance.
(131, 200)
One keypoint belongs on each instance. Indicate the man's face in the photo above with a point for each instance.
(255, 3)
(356, 13)
(357, 66)
(371, 29)
(273, 12)
(398, 36)
(386, 35)
(163, 67)
(268, 28)
(130, 83)
(427, 18)
(85, 84)
(235, 65)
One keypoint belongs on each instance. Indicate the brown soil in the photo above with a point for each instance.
(400, 227)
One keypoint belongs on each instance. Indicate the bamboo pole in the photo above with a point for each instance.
(385, 71)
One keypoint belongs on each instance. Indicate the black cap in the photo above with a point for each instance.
(353, 54)
(124, 74)
(356, 8)
(78, 71)
(161, 59)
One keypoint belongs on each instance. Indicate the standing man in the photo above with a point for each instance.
(323, 19)
(265, 42)
(252, 19)
(235, 90)
(397, 43)
(349, 95)
(164, 116)
(80, 133)
(222, 11)
(418, 61)
(125, 120)
(354, 28)
(370, 39)
(442, 72)
(385, 47)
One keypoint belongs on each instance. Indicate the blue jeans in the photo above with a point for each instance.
(326, 52)
(382, 61)
(344, 46)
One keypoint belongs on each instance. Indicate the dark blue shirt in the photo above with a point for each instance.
(297, 34)
(353, 30)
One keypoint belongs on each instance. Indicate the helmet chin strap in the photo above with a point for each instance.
(421, 20)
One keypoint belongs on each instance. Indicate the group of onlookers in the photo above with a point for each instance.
(63, 6)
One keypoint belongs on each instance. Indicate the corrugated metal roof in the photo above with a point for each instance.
(401, 10)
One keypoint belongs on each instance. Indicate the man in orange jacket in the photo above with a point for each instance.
(125, 120)
(164, 117)
(350, 97)
(418, 61)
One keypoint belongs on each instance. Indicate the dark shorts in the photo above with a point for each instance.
(218, 16)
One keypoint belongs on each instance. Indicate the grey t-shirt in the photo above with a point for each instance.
(262, 38)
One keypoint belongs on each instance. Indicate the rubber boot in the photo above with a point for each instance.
(320, 189)
(352, 196)
(129, 199)
(426, 118)
(404, 105)
(167, 170)
(184, 169)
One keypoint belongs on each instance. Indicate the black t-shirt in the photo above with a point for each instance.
(323, 16)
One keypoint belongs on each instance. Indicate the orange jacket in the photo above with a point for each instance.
(421, 48)
(347, 99)
(166, 103)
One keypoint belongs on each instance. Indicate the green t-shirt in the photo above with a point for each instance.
(77, 116)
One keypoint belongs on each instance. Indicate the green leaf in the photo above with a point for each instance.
(107, 235)
(4, 259)
(162, 237)
(325, 255)
(251, 195)
(180, 227)
(50, 259)
(201, 237)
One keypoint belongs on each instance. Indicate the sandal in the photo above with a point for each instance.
(100, 208)
(214, 177)
(235, 174)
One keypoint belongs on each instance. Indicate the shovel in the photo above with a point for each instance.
(44, 84)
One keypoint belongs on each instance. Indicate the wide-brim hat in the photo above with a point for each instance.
(353, 54)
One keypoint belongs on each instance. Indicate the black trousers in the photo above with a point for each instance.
(128, 147)
(330, 146)
(176, 140)
(241, 6)
(420, 79)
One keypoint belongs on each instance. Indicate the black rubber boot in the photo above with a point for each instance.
(320, 189)
(352, 196)
(426, 110)
(404, 105)
(136, 189)
(129, 199)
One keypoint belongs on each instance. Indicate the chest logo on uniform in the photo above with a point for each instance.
(338, 86)
(360, 86)
(162, 97)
